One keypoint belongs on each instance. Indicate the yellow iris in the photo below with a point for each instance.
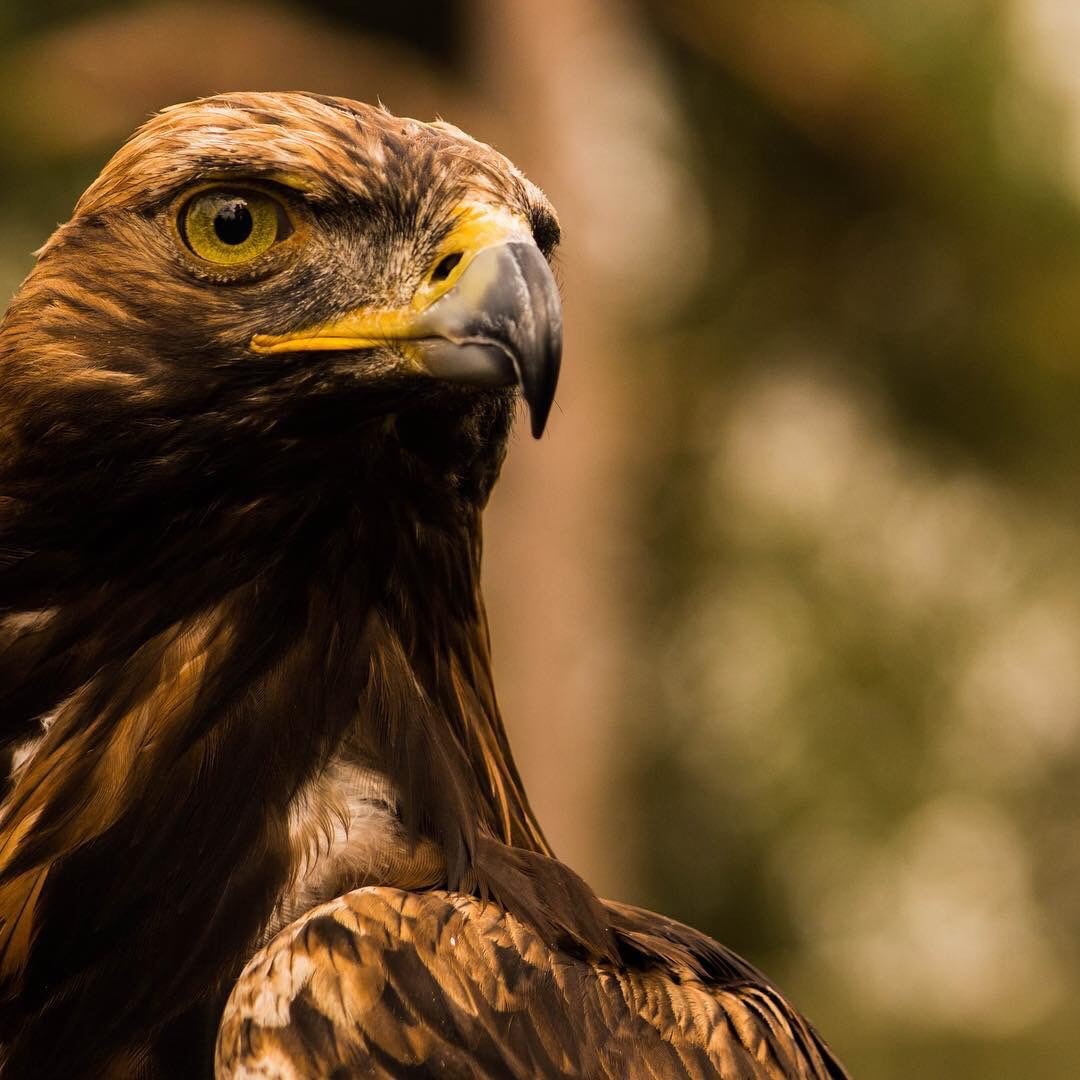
(230, 227)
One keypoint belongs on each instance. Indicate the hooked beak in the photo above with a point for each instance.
(498, 322)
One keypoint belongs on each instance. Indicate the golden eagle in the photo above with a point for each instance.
(254, 397)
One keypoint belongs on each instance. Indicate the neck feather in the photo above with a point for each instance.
(151, 816)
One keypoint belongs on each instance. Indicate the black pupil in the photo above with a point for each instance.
(232, 222)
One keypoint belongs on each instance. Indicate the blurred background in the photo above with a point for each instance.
(786, 604)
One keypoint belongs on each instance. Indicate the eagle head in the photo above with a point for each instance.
(286, 273)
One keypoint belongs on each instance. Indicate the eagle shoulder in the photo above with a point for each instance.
(382, 982)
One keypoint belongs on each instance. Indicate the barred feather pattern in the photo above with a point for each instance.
(389, 984)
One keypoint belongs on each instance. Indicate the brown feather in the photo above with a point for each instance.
(387, 983)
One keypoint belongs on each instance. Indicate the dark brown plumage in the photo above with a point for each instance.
(245, 664)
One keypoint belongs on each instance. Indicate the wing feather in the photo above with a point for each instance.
(387, 983)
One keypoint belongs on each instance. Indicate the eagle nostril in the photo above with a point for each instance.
(445, 266)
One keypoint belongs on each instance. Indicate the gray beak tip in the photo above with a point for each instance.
(539, 394)
(501, 323)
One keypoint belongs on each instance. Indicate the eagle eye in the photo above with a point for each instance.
(230, 227)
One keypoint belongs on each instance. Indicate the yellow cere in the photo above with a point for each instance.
(477, 228)
(230, 227)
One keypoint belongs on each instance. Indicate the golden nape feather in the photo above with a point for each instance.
(254, 396)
